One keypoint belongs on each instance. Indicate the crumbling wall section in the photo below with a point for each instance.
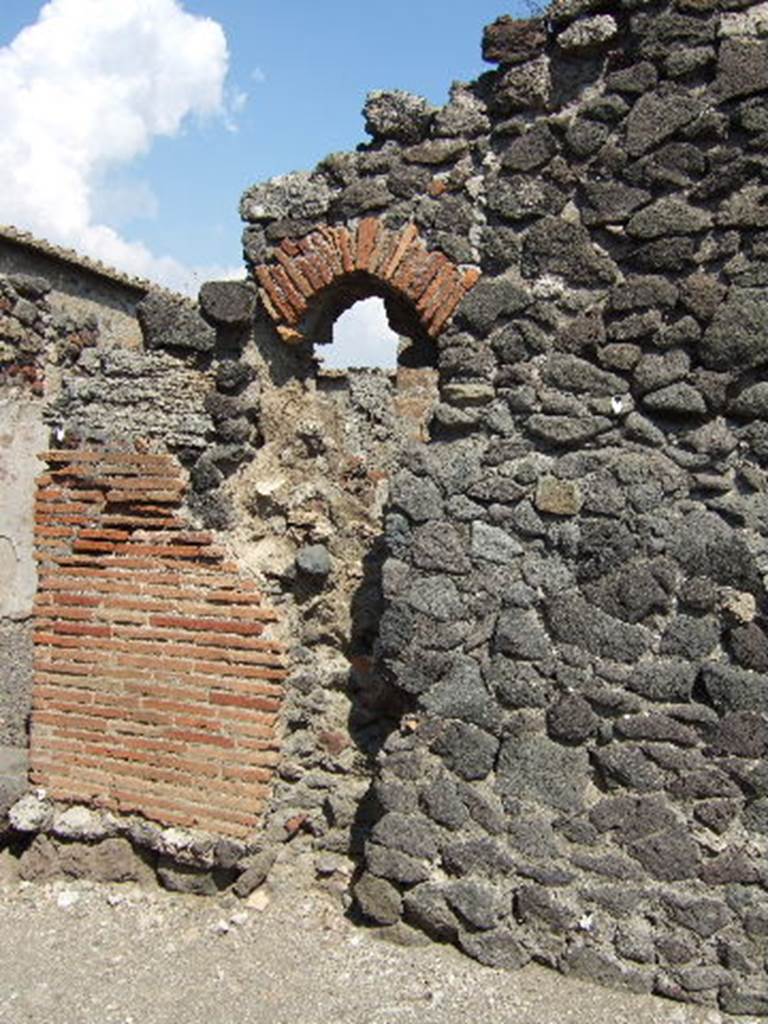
(575, 591)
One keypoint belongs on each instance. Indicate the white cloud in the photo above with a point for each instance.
(86, 89)
(361, 337)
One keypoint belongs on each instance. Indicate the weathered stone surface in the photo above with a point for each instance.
(588, 33)
(31, 814)
(466, 750)
(378, 899)
(315, 560)
(397, 115)
(571, 720)
(255, 874)
(512, 41)
(658, 115)
(669, 216)
(573, 620)
(558, 497)
(556, 246)
(742, 68)
(531, 150)
(231, 303)
(499, 948)
(174, 323)
(738, 333)
(535, 768)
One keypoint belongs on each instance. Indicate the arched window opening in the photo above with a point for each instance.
(361, 326)
(362, 338)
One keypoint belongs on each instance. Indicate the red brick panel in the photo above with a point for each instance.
(157, 686)
(399, 259)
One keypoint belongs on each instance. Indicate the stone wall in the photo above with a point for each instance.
(526, 628)
(574, 589)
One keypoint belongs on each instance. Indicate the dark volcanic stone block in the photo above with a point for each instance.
(535, 768)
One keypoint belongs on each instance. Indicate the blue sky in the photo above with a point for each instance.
(287, 89)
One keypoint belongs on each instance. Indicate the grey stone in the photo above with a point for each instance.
(531, 150)
(588, 33)
(556, 246)
(633, 817)
(571, 720)
(170, 322)
(491, 299)
(465, 749)
(378, 899)
(443, 804)
(484, 856)
(677, 399)
(611, 203)
(691, 637)
(750, 646)
(397, 115)
(738, 333)
(698, 783)
(31, 814)
(492, 544)
(520, 197)
(571, 373)
(535, 768)
(435, 151)
(752, 402)
(657, 371)
(573, 620)
(663, 679)
(639, 78)
(499, 948)
(231, 303)
(631, 594)
(185, 878)
(668, 216)
(315, 560)
(734, 689)
(590, 963)
(78, 823)
(742, 1000)
(406, 833)
(717, 815)
(438, 546)
(657, 727)
(567, 430)
(523, 87)
(461, 694)
(705, 917)
(627, 766)
(394, 865)
(742, 68)
(476, 903)
(669, 856)
(425, 906)
(520, 635)
(436, 597)
(417, 497)
(258, 867)
(658, 115)
(733, 865)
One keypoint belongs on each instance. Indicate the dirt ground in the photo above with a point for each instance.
(75, 952)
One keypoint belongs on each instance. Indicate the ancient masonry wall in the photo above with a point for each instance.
(528, 641)
(156, 691)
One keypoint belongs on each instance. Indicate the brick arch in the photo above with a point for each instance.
(399, 261)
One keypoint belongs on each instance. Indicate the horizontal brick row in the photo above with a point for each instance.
(157, 689)
(302, 268)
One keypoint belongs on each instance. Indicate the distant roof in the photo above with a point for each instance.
(76, 259)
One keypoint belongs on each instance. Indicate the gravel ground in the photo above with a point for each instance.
(81, 953)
